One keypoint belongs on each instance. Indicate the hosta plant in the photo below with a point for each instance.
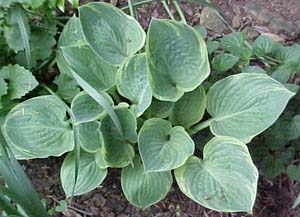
(142, 98)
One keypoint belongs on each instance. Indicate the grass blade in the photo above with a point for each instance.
(19, 187)
(100, 99)
(21, 20)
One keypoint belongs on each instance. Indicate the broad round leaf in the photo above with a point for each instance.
(225, 180)
(132, 83)
(75, 54)
(71, 36)
(177, 59)
(144, 189)
(159, 109)
(246, 104)
(162, 147)
(38, 128)
(90, 137)
(111, 33)
(117, 149)
(99, 158)
(90, 176)
(86, 109)
(99, 74)
(189, 109)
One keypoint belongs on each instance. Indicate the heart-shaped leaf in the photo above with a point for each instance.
(89, 176)
(225, 180)
(162, 147)
(144, 189)
(112, 39)
(37, 127)
(99, 74)
(132, 83)
(244, 105)
(117, 150)
(177, 59)
(75, 54)
(86, 109)
(189, 109)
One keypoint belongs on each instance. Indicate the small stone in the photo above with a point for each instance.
(210, 20)
(236, 22)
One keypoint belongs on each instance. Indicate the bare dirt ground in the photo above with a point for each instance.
(274, 198)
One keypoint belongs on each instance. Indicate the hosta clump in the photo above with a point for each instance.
(147, 135)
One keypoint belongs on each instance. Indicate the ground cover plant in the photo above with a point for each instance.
(138, 101)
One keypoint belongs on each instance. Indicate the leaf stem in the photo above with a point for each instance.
(198, 127)
(132, 10)
(76, 136)
(179, 11)
(164, 3)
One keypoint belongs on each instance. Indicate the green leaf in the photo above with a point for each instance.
(62, 206)
(99, 74)
(90, 176)
(20, 81)
(163, 148)
(144, 189)
(253, 69)
(75, 55)
(71, 36)
(112, 39)
(18, 185)
(293, 172)
(41, 43)
(90, 137)
(272, 167)
(283, 73)
(189, 109)
(67, 87)
(132, 83)
(245, 105)
(17, 33)
(86, 109)
(284, 130)
(159, 109)
(212, 46)
(37, 127)
(263, 45)
(225, 180)
(291, 55)
(117, 149)
(224, 62)
(174, 48)
(201, 30)
(233, 42)
(99, 158)
(3, 89)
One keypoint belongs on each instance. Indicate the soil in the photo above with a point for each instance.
(274, 198)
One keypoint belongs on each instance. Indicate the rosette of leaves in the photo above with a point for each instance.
(162, 90)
